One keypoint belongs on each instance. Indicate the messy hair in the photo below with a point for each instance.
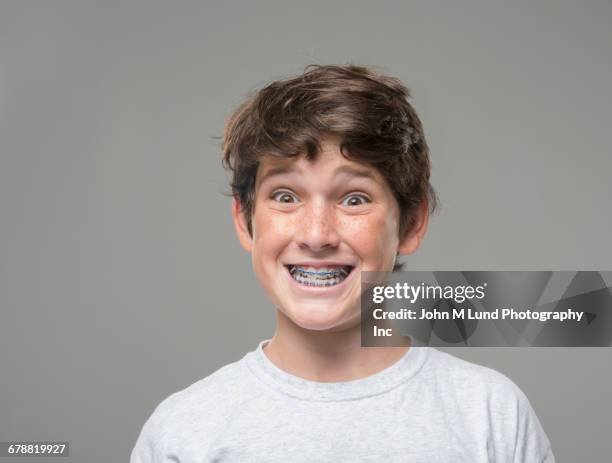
(367, 111)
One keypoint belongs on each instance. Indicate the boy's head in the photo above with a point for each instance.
(367, 111)
(330, 175)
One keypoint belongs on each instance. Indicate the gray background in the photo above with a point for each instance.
(120, 278)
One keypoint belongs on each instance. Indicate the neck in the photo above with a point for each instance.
(326, 356)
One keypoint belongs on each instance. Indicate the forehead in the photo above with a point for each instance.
(329, 164)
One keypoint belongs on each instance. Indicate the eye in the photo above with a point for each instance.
(355, 200)
(284, 197)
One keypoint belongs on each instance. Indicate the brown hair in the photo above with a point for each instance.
(368, 111)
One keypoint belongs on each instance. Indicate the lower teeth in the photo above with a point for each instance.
(315, 281)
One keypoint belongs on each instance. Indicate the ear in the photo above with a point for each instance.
(241, 226)
(411, 242)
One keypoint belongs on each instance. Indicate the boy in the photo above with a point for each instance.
(331, 178)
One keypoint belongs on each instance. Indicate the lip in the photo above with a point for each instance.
(320, 264)
(320, 291)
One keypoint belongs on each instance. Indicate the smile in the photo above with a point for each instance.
(321, 276)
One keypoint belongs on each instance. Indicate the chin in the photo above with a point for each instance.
(317, 319)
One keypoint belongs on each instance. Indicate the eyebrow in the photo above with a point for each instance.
(278, 170)
(346, 170)
(356, 172)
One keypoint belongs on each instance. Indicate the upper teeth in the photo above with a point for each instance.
(320, 270)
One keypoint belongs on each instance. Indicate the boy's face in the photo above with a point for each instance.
(316, 226)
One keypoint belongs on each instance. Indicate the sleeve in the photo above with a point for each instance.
(532, 444)
(549, 457)
(146, 449)
(515, 434)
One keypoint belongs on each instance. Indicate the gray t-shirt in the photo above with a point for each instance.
(427, 407)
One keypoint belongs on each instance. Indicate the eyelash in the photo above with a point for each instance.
(277, 194)
(364, 198)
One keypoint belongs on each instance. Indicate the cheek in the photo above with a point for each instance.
(374, 237)
(271, 233)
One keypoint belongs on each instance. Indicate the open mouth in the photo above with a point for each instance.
(319, 276)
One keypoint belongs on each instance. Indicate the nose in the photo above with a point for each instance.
(317, 229)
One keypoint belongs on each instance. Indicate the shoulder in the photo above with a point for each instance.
(471, 380)
(487, 401)
(215, 391)
(197, 409)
